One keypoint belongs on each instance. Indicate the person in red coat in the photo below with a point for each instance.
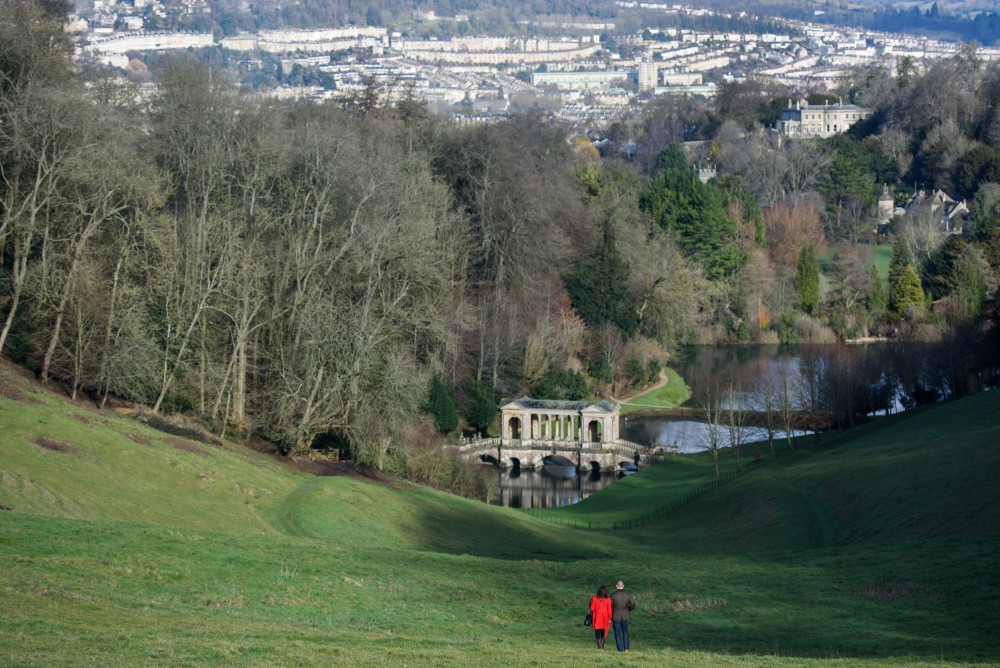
(600, 607)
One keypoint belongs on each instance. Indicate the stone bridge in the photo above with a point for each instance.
(528, 454)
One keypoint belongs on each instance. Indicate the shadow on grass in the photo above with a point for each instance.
(502, 533)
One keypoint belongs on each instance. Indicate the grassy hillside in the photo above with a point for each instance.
(127, 546)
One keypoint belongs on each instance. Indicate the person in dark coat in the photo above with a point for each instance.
(600, 608)
(622, 603)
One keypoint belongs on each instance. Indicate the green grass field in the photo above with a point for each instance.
(882, 255)
(877, 255)
(671, 395)
(129, 547)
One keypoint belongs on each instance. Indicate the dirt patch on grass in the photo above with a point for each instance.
(888, 590)
(53, 445)
(136, 438)
(338, 468)
(8, 392)
(177, 425)
(80, 418)
(697, 603)
(187, 447)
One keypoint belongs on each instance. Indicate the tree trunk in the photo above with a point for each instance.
(102, 380)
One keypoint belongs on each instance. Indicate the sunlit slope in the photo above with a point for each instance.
(932, 474)
(63, 459)
(69, 460)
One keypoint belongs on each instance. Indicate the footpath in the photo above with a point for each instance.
(661, 381)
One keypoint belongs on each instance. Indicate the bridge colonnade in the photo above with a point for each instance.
(530, 420)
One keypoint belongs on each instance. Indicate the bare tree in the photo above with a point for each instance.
(787, 405)
(714, 409)
(807, 166)
(38, 136)
(736, 419)
(768, 397)
(106, 182)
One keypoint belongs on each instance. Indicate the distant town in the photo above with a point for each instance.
(582, 77)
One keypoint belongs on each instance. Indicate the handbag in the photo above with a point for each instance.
(589, 619)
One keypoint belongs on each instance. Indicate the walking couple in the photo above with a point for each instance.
(612, 611)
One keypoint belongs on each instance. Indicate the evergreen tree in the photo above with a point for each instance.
(807, 280)
(695, 213)
(939, 273)
(955, 270)
(908, 293)
(441, 405)
(899, 267)
(984, 218)
(599, 287)
(484, 407)
(969, 283)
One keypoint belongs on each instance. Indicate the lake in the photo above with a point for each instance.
(847, 381)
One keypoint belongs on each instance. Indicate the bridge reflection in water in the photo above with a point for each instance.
(539, 489)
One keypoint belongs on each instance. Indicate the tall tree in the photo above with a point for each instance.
(907, 293)
(695, 214)
(900, 265)
(599, 287)
(807, 280)
(441, 405)
(483, 409)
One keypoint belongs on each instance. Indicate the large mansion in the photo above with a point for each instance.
(819, 120)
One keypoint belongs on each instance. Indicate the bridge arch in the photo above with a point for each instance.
(538, 461)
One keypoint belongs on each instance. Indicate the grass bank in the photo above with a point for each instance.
(670, 395)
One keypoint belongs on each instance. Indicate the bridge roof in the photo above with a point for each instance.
(603, 406)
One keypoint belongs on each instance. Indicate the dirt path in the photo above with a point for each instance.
(660, 382)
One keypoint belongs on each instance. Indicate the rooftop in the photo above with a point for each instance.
(556, 404)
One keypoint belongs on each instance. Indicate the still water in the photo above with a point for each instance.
(687, 435)
(539, 489)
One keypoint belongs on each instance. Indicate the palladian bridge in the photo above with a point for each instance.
(585, 432)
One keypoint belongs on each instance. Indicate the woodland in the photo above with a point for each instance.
(330, 274)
